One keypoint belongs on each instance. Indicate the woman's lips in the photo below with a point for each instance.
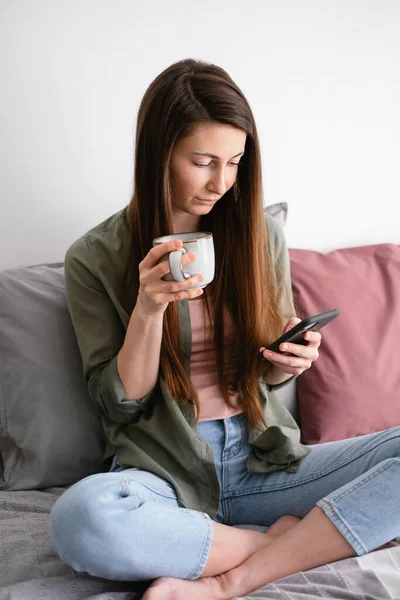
(207, 201)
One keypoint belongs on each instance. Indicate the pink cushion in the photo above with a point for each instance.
(353, 388)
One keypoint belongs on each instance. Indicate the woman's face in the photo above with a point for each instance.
(196, 175)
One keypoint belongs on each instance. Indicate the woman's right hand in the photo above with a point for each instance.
(154, 293)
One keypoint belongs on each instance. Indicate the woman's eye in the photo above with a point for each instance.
(208, 164)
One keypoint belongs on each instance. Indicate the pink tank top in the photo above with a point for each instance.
(203, 367)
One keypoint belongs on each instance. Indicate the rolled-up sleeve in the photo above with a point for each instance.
(100, 334)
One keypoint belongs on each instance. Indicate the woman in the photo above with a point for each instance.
(198, 439)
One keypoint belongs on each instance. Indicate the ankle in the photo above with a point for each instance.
(233, 583)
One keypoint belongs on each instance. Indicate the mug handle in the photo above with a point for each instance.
(175, 265)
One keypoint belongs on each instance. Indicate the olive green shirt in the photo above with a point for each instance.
(157, 433)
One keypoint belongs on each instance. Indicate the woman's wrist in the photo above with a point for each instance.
(276, 376)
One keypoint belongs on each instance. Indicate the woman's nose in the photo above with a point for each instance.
(217, 183)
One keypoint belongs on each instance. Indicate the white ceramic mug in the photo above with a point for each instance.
(199, 242)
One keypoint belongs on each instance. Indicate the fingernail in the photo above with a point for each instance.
(200, 277)
(284, 347)
(177, 244)
(268, 353)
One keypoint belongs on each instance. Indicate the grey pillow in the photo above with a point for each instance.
(50, 429)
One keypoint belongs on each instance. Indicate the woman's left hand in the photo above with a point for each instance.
(296, 357)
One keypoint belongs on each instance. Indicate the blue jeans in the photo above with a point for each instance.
(127, 524)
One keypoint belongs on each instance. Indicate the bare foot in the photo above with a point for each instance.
(206, 588)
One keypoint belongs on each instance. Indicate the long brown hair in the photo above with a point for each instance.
(183, 96)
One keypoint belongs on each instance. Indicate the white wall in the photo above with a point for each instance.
(322, 79)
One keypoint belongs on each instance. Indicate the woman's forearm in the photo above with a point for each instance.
(139, 358)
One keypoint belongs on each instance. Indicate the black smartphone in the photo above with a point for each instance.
(296, 334)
